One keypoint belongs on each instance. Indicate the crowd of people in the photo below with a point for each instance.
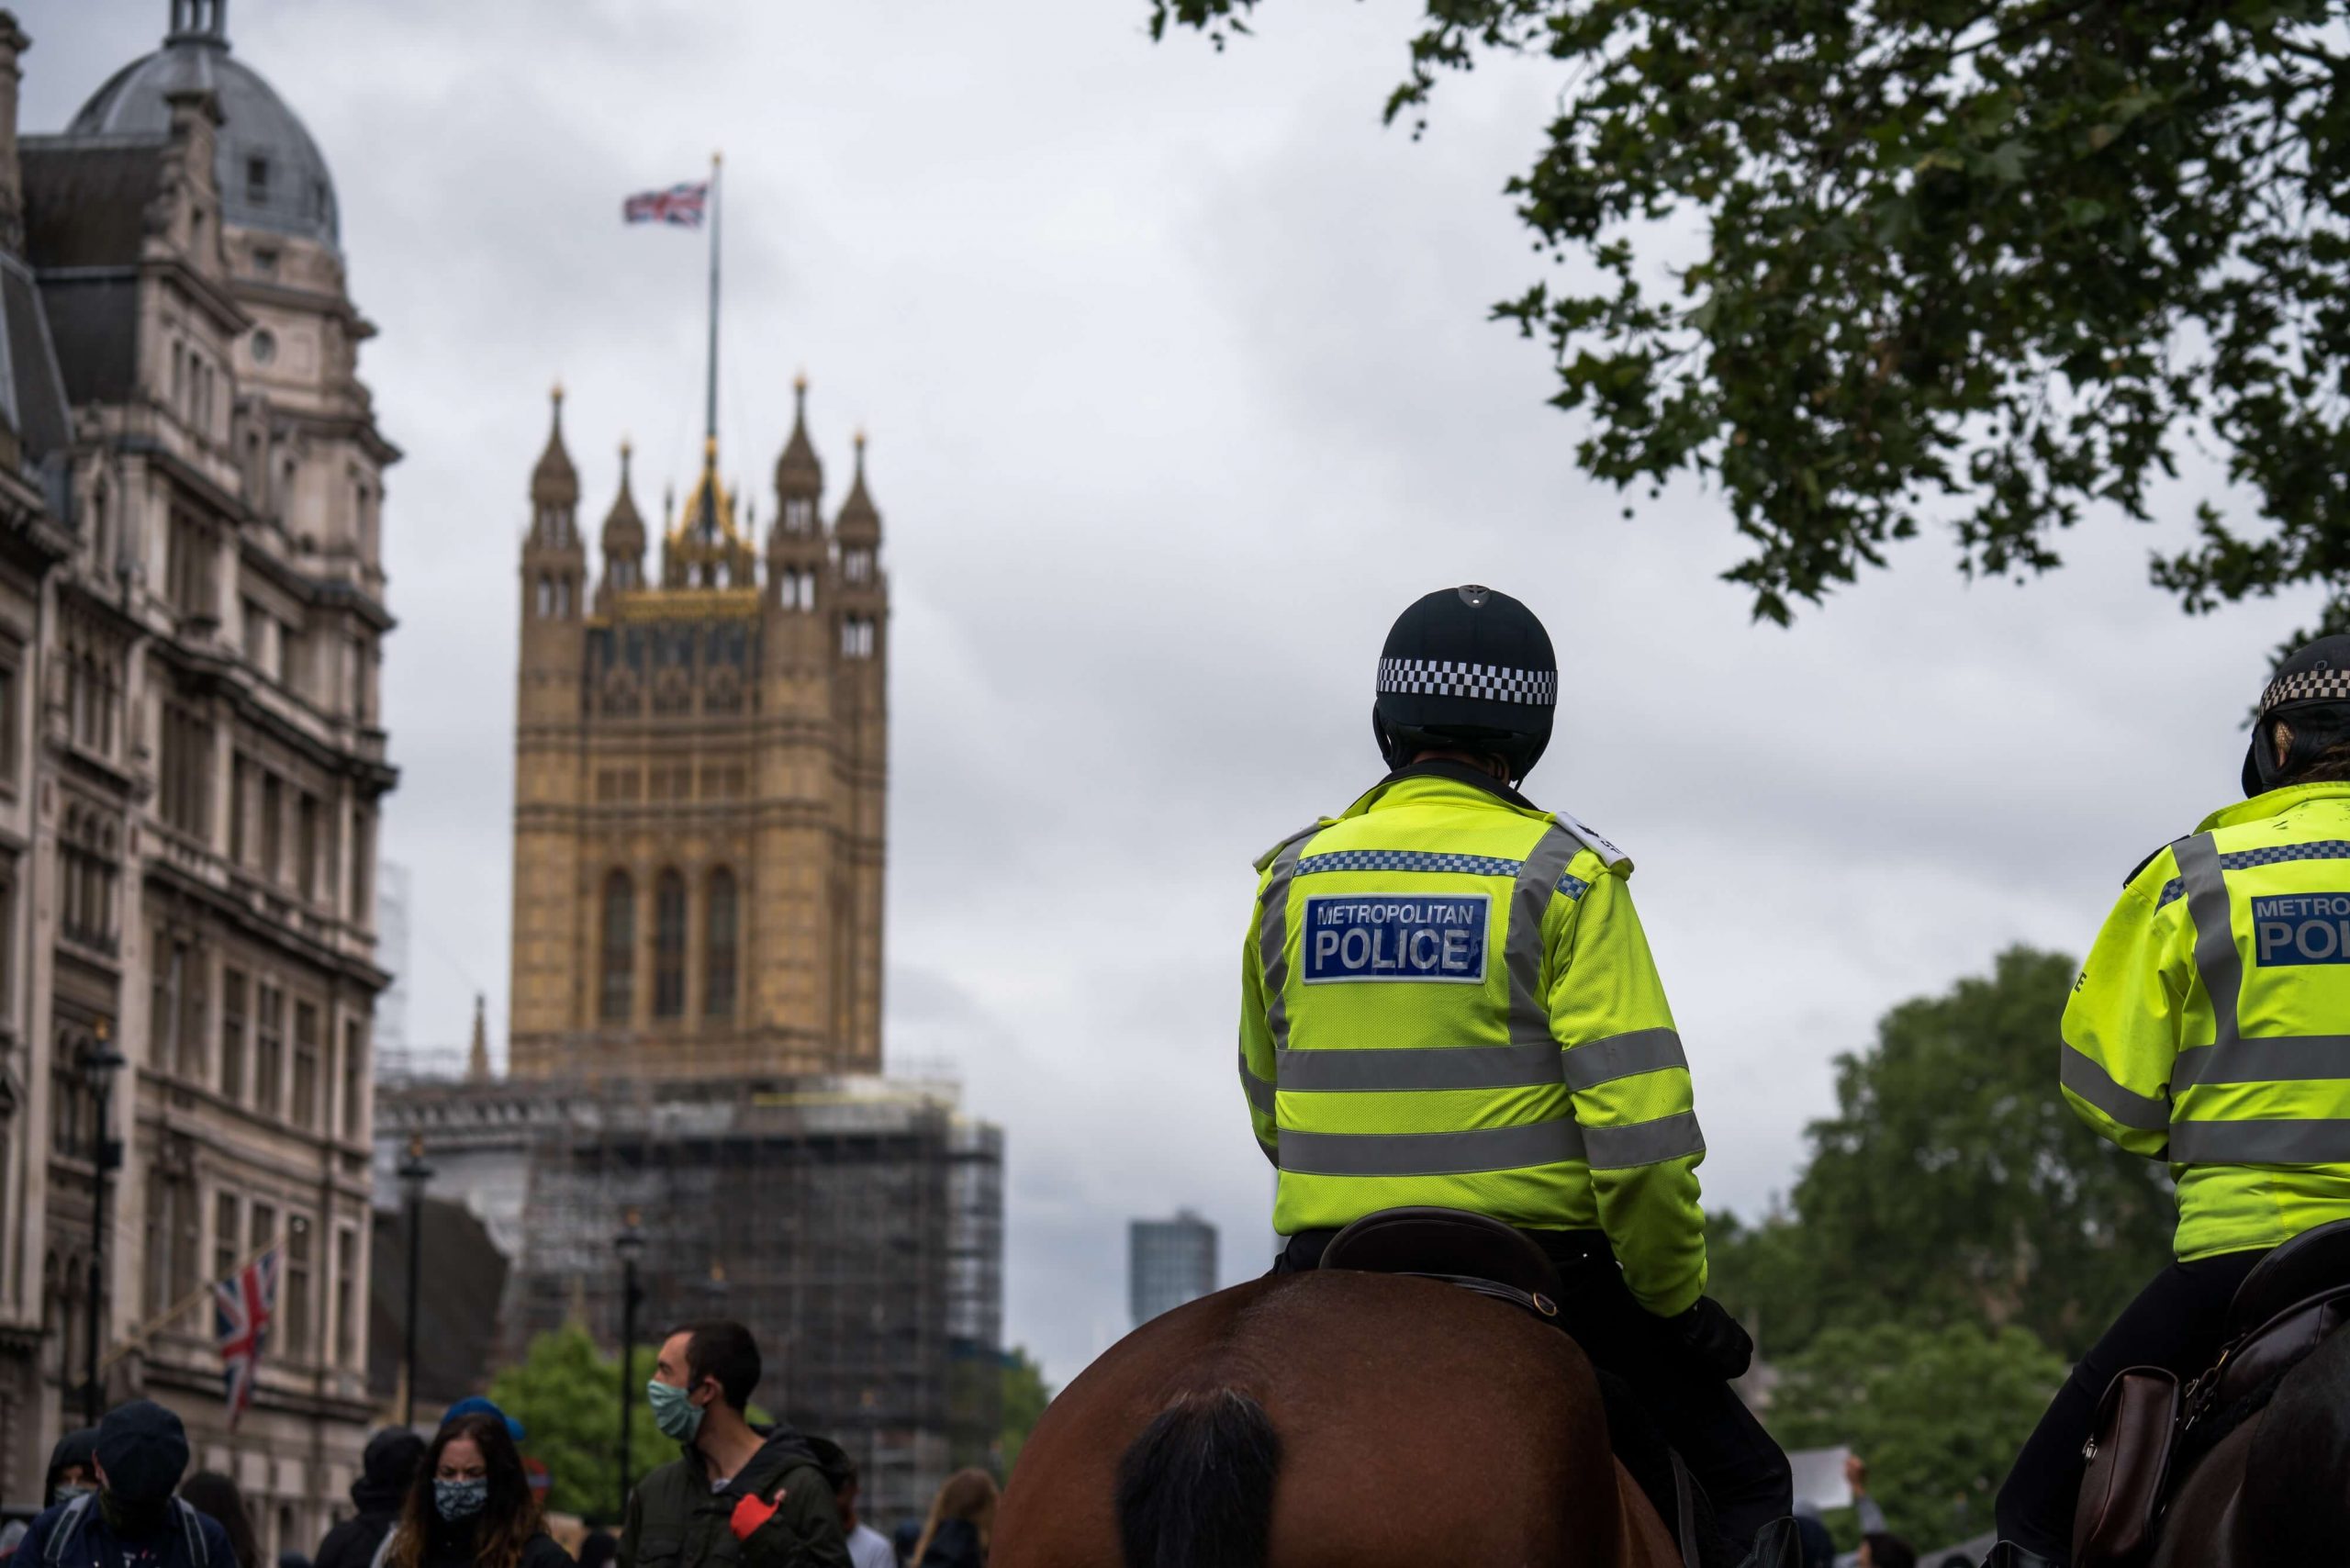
(737, 1495)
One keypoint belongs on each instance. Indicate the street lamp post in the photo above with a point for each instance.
(630, 1245)
(100, 1061)
(414, 1175)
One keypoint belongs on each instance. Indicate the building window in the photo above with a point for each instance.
(269, 1052)
(87, 874)
(798, 515)
(241, 801)
(188, 569)
(669, 946)
(273, 826)
(362, 866)
(620, 948)
(176, 1006)
(186, 782)
(360, 653)
(346, 1305)
(10, 748)
(256, 630)
(354, 1076)
(718, 979)
(225, 1255)
(261, 1221)
(93, 687)
(170, 1235)
(305, 1111)
(856, 565)
(232, 1035)
(297, 1288)
(306, 846)
(257, 181)
(857, 637)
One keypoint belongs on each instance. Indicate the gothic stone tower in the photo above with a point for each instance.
(701, 772)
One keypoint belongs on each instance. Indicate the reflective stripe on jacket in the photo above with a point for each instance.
(1447, 999)
(2211, 1025)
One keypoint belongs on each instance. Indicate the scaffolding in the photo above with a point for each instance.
(854, 1223)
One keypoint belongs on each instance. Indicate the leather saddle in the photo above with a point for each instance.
(1487, 1258)
(2149, 1430)
(1480, 1255)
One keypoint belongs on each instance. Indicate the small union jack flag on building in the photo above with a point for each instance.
(680, 205)
(243, 1306)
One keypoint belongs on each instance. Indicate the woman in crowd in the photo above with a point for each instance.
(961, 1516)
(209, 1491)
(471, 1505)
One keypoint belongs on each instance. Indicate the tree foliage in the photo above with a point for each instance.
(1025, 1394)
(567, 1395)
(1954, 1185)
(1996, 260)
(1938, 1413)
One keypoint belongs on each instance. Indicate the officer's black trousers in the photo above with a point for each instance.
(1744, 1471)
(2175, 1322)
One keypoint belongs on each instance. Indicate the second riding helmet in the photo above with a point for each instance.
(1466, 669)
(2311, 691)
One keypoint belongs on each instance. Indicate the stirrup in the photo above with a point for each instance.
(1777, 1545)
(2008, 1554)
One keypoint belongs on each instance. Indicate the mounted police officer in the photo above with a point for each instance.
(2208, 1029)
(1447, 1000)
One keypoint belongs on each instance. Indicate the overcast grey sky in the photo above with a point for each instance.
(1179, 387)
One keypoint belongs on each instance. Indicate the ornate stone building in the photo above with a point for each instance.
(699, 781)
(191, 765)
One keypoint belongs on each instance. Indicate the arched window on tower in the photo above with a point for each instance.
(669, 946)
(717, 946)
(617, 988)
(546, 596)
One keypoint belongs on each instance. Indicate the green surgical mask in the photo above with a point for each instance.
(674, 1410)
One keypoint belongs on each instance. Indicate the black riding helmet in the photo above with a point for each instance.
(2310, 688)
(1466, 668)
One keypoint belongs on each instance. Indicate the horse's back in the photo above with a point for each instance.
(1415, 1422)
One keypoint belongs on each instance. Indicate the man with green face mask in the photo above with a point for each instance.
(737, 1495)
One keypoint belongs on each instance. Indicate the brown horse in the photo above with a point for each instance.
(2277, 1489)
(1333, 1420)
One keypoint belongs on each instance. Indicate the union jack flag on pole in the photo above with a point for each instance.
(680, 205)
(243, 1306)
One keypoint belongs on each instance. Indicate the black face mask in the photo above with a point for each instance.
(133, 1521)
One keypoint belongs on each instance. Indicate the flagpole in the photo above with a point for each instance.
(154, 1325)
(709, 400)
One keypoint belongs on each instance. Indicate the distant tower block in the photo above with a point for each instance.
(701, 773)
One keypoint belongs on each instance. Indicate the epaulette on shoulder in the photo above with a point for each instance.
(1598, 844)
(2152, 856)
(1270, 856)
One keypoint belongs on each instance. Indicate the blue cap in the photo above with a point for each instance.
(475, 1404)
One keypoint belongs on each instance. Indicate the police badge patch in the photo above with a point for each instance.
(1396, 936)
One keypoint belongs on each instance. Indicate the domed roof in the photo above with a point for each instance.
(271, 174)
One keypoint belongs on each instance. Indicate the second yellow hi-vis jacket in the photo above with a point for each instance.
(1447, 999)
(2211, 1026)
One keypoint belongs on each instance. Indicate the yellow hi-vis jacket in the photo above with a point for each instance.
(1447, 999)
(2211, 1024)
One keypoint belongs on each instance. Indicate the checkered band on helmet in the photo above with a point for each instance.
(1455, 678)
(2306, 686)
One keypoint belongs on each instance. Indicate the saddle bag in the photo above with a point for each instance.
(2129, 1454)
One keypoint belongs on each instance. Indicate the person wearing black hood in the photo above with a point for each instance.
(140, 1455)
(69, 1476)
(387, 1471)
(737, 1496)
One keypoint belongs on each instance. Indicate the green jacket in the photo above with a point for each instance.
(2211, 1026)
(675, 1520)
(1447, 999)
